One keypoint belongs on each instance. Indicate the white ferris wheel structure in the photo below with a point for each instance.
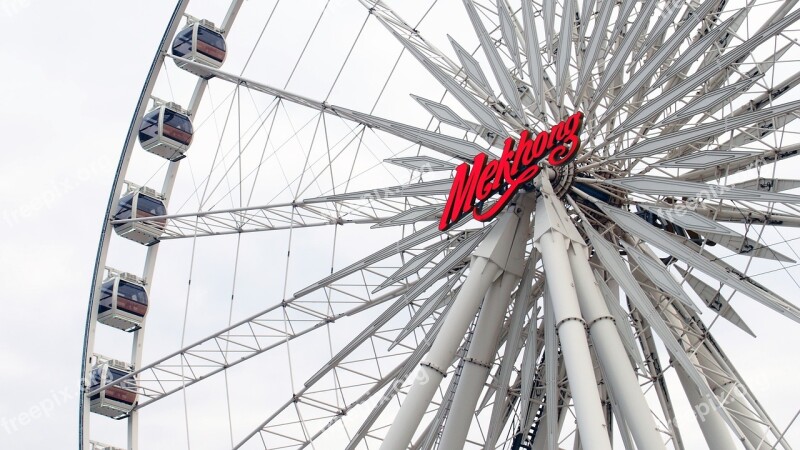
(452, 224)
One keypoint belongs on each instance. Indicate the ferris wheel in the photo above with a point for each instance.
(364, 224)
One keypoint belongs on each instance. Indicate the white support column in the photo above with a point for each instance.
(620, 376)
(726, 388)
(725, 385)
(751, 426)
(542, 440)
(485, 268)
(484, 340)
(553, 238)
(714, 429)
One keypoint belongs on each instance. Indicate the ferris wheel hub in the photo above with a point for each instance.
(562, 178)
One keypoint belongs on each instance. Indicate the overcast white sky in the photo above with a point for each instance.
(71, 76)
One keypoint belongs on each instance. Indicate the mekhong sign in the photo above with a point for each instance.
(474, 184)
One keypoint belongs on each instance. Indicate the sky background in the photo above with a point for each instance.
(72, 76)
(77, 72)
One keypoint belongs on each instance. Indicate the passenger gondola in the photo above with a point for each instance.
(140, 203)
(166, 131)
(123, 302)
(202, 43)
(116, 401)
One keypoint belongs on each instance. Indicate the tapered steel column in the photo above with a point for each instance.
(484, 340)
(714, 429)
(542, 440)
(553, 237)
(487, 265)
(751, 427)
(749, 424)
(620, 376)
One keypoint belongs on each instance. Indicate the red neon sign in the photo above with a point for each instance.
(476, 183)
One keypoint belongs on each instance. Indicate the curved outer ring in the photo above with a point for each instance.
(106, 233)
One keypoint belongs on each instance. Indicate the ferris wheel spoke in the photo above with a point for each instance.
(256, 335)
(711, 130)
(769, 184)
(365, 387)
(447, 145)
(728, 268)
(717, 233)
(423, 235)
(509, 31)
(592, 55)
(653, 107)
(661, 186)
(565, 49)
(439, 300)
(421, 189)
(659, 30)
(616, 267)
(250, 337)
(507, 84)
(615, 66)
(659, 238)
(471, 67)
(711, 101)
(768, 156)
(706, 45)
(368, 429)
(714, 300)
(449, 74)
(370, 330)
(279, 216)
(757, 133)
(533, 54)
(750, 77)
(479, 111)
(656, 281)
(444, 114)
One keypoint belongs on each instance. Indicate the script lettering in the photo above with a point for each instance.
(476, 183)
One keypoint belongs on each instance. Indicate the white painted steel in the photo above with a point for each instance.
(634, 110)
(486, 267)
(711, 424)
(620, 375)
(484, 342)
(553, 245)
